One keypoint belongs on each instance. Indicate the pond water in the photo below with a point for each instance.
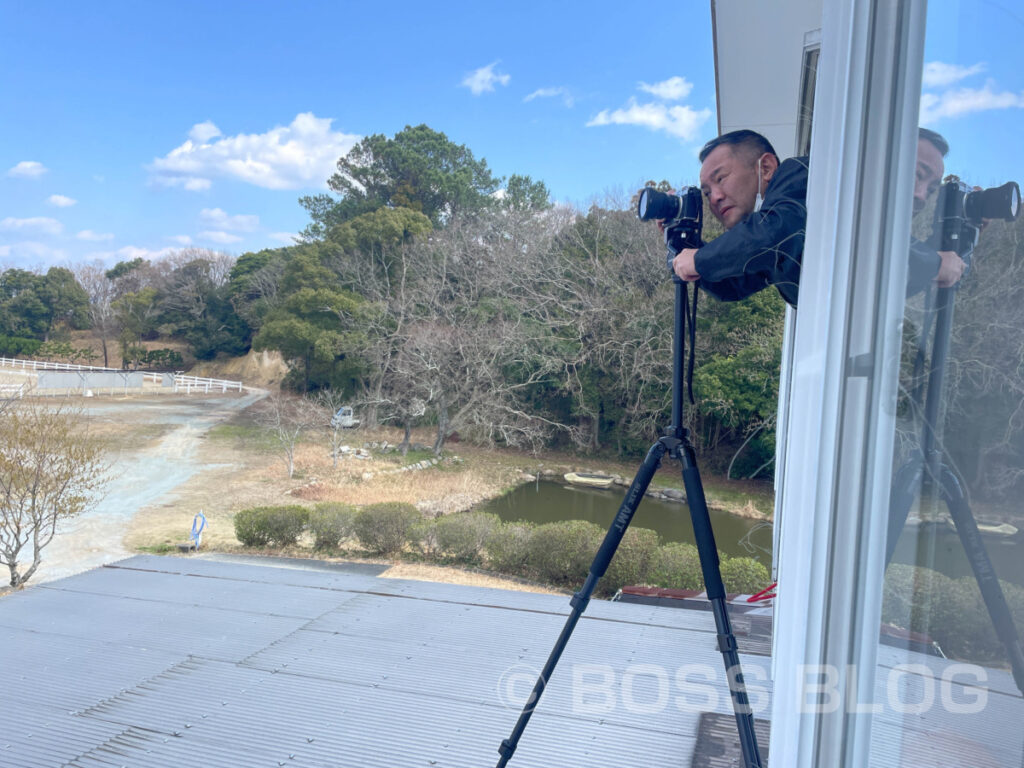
(545, 501)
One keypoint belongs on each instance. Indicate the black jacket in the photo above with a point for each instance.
(766, 247)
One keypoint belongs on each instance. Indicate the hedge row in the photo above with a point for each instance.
(557, 553)
(950, 611)
(16, 346)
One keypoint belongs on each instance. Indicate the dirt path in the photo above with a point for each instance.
(144, 471)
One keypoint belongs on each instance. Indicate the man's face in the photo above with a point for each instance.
(928, 174)
(729, 181)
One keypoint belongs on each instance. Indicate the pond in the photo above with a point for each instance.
(546, 501)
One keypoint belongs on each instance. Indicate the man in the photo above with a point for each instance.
(944, 267)
(762, 205)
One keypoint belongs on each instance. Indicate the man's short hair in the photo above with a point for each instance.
(752, 141)
(934, 139)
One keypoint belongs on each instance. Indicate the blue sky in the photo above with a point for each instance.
(129, 129)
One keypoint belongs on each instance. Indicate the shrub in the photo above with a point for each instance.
(562, 552)
(274, 526)
(331, 524)
(462, 536)
(15, 346)
(632, 560)
(950, 611)
(508, 547)
(677, 566)
(423, 536)
(384, 529)
(744, 575)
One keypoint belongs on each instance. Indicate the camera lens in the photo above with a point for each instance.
(657, 205)
(995, 203)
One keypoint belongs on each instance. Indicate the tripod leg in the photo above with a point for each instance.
(984, 574)
(715, 588)
(905, 486)
(579, 601)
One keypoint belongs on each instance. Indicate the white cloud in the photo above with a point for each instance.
(673, 89)
(61, 201)
(215, 217)
(550, 93)
(203, 132)
(28, 169)
(191, 183)
(963, 101)
(297, 156)
(129, 252)
(181, 239)
(94, 237)
(37, 224)
(29, 251)
(680, 121)
(224, 238)
(937, 74)
(483, 79)
(285, 237)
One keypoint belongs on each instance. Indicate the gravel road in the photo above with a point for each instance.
(138, 479)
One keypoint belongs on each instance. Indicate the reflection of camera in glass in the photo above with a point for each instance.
(961, 210)
(682, 214)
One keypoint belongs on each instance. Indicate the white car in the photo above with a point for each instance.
(344, 418)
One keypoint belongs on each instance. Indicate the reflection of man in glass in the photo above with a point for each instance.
(944, 267)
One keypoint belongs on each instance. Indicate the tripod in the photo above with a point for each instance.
(675, 441)
(928, 463)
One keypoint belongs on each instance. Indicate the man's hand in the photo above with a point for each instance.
(951, 269)
(684, 267)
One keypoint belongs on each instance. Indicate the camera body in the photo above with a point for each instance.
(961, 211)
(682, 214)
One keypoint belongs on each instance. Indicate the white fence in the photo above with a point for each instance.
(194, 385)
(189, 385)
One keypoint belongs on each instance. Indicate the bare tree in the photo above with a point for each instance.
(287, 417)
(50, 470)
(93, 278)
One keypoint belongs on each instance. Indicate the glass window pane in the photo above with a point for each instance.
(953, 601)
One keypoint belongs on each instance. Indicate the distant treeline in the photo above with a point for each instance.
(433, 293)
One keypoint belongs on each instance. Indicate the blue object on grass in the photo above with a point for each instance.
(198, 524)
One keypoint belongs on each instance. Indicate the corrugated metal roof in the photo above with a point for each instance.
(157, 662)
(191, 662)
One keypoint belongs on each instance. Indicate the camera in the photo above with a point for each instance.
(683, 215)
(961, 210)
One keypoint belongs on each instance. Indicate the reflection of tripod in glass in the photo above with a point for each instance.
(929, 464)
(676, 443)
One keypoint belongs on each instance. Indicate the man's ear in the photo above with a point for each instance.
(769, 164)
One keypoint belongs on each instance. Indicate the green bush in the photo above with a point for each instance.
(385, 529)
(562, 552)
(271, 526)
(16, 346)
(423, 537)
(744, 575)
(331, 524)
(462, 536)
(632, 561)
(950, 611)
(508, 547)
(676, 566)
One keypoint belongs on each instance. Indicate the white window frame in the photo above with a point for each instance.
(837, 463)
